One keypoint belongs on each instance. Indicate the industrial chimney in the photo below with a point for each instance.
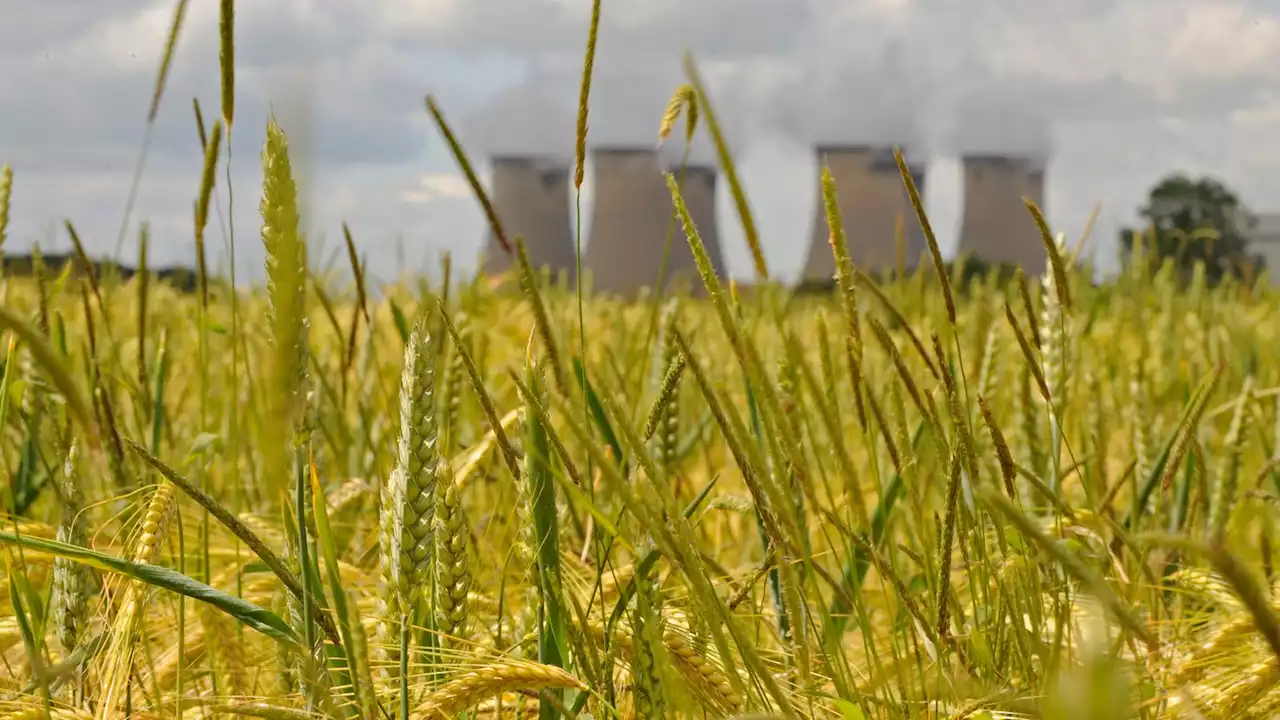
(630, 217)
(997, 227)
(530, 194)
(872, 198)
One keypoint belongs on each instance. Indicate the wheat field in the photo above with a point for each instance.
(928, 497)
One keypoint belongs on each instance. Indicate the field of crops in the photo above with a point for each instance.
(909, 500)
(923, 498)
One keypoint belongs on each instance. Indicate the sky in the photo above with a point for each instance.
(1113, 93)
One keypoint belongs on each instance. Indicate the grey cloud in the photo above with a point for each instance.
(994, 120)
(367, 105)
(541, 27)
(1109, 98)
(270, 34)
(33, 27)
(877, 102)
(630, 94)
(535, 116)
(711, 27)
(72, 100)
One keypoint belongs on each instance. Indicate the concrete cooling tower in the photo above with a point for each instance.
(531, 196)
(630, 216)
(872, 197)
(997, 227)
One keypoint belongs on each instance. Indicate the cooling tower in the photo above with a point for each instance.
(630, 218)
(871, 197)
(531, 197)
(997, 228)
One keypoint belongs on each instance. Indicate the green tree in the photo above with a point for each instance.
(1194, 221)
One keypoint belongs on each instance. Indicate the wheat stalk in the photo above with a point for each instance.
(939, 267)
(6, 190)
(166, 60)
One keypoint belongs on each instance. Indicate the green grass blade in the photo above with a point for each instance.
(599, 417)
(255, 544)
(248, 614)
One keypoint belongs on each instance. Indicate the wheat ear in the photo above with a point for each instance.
(409, 497)
(117, 662)
(453, 570)
(474, 686)
(684, 100)
(71, 581)
(38, 712)
(1228, 475)
(286, 264)
(646, 639)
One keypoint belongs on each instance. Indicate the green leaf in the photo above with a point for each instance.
(598, 415)
(34, 656)
(1191, 415)
(329, 550)
(240, 530)
(247, 613)
(849, 711)
(542, 497)
(402, 324)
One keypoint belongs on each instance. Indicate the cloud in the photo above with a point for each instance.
(877, 102)
(1264, 114)
(536, 116)
(996, 121)
(434, 187)
(559, 27)
(1125, 89)
(630, 95)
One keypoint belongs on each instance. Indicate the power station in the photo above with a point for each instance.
(997, 227)
(872, 199)
(630, 218)
(530, 194)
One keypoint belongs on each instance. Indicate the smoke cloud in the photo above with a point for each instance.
(721, 28)
(995, 120)
(856, 102)
(629, 95)
(532, 118)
